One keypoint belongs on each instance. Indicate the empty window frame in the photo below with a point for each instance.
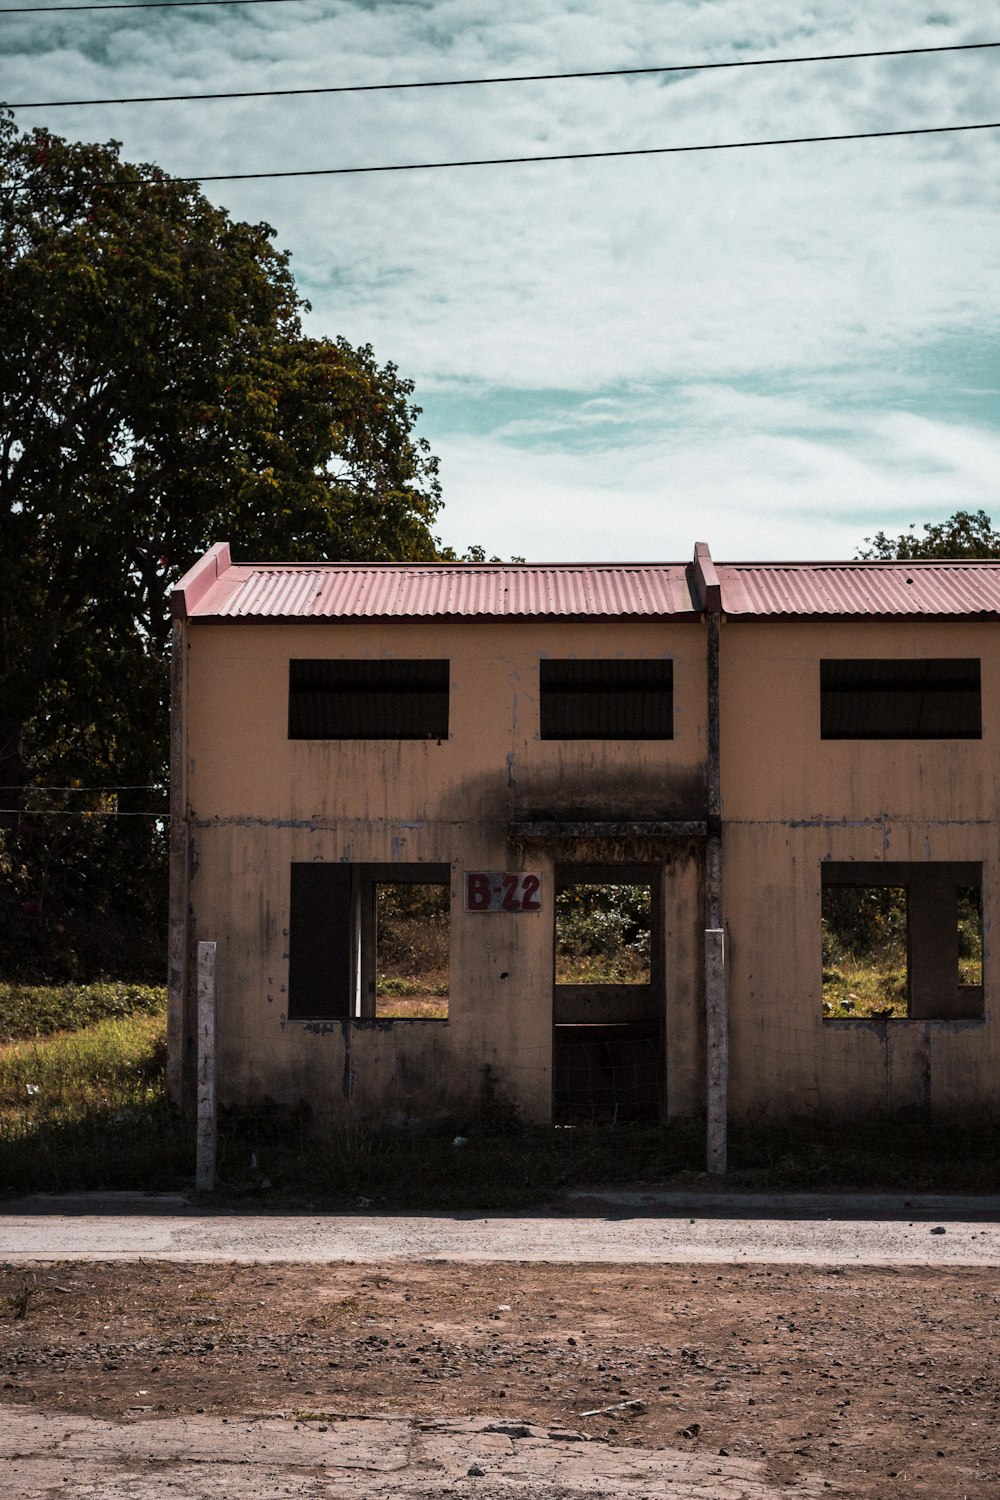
(865, 969)
(970, 937)
(913, 699)
(322, 942)
(603, 933)
(606, 700)
(367, 700)
(411, 932)
(902, 941)
(368, 941)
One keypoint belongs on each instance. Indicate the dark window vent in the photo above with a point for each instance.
(606, 700)
(915, 699)
(368, 700)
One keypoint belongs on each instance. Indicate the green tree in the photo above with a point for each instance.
(158, 393)
(965, 534)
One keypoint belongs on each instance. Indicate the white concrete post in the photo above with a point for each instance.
(717, 1037)
(204, 1179)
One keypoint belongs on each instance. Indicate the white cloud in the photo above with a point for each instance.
(834, 273)
(753, 488)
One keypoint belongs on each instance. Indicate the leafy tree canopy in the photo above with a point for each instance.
(965, 534)
(157, 393)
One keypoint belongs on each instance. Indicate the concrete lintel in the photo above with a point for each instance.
(541, 832)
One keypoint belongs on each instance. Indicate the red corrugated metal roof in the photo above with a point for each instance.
(444, 591)
(881, 589)
(217, 589)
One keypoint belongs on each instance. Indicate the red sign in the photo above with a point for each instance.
(493, 891)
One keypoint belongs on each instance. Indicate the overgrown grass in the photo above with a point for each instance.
(902, 1152)
(413, 1006)
(87, 1109)
(854, 987)
(497, 1168)
(38, 1010)
(857, 987)
(518, 1169)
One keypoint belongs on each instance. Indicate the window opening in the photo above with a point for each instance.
(368, 941)
(876, 699)
(864, 951)
(970, 936)
(411, 950)
(368, 700)
(902, 940)
(603, 934)
(617, 700)
(321, 943)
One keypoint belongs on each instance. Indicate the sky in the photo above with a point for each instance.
(778, 351)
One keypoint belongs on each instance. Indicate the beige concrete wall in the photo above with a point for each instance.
(492, 766)
(791, 801)
(258, 802)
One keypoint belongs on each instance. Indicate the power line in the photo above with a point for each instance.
(146, 786)
(505, 161)
(31, 10)
(456, 83)
(49, 812)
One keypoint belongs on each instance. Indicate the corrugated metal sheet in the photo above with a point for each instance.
(413, 591)
(881, 589)
(318, 591)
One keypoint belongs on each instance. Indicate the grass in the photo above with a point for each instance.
(87, 1109)
(496, 1167)
(413, 1007)
(519, 1168)
(412, 996)
(853, 987)
(902, 1152)
(877, 987)
(38, 1010)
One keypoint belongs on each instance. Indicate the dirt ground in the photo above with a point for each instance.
(865, 1382)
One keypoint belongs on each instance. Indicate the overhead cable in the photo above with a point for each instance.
(505, 161)
(457, 83)
(32, 10)
(51, 812)
(145, 786)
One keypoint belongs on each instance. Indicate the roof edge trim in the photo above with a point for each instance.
(192, 588)
(708, 588)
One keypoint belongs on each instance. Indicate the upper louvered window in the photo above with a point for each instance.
(368, 700)
(913, 699)
(606, 700)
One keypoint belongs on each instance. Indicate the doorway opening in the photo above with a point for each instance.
(607, 1011)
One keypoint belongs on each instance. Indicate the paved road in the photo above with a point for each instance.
(615, 1227)
(205, 1458)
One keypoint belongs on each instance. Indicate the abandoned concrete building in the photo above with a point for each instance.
(735, 746)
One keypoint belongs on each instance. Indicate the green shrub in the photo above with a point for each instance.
(39, 1010)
